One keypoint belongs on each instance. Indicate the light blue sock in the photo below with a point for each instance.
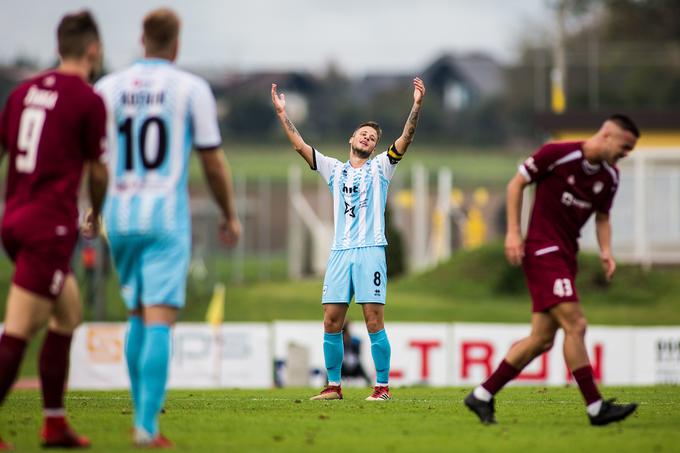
(154, 363)
(134, 340)
(381, 352)
(333, 353)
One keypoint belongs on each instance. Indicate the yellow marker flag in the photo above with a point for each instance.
(215, 314)
(558, 99)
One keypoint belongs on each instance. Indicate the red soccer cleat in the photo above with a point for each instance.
(380, 393)
(144, 440)
(56, 433)
(331, 392)
(4, 446)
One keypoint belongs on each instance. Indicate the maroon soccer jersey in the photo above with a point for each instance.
(568, 190)
(50, 125)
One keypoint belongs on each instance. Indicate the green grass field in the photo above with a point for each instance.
(531, 419)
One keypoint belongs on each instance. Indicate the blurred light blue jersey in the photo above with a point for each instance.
(359, 198)
(156, 114)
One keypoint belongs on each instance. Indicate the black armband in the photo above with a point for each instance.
(394, 155)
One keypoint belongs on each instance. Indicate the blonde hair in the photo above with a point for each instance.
(161, 30)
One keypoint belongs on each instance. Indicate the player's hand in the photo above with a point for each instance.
(230, 230)
(514, 248)
(279, 100)
(608, 264)
(90, 226)
(418, 91)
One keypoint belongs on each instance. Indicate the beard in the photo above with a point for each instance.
(361, 153)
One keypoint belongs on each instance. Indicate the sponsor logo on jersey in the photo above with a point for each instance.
(568, 199)
(353, 189)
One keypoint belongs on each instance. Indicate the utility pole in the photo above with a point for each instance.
(558, 74)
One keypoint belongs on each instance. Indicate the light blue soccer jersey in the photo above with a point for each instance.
(156, 114)
(359, 198)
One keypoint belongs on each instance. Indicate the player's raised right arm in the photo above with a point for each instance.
(306, 151)
(514, 244)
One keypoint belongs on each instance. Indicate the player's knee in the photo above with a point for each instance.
(546, 344)
(374, 325)
(332, 325)
(577, 327)
(67, 322)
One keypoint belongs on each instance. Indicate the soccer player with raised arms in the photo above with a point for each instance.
(356, 266)
(52, 127)
(157, 114)
(573, 181)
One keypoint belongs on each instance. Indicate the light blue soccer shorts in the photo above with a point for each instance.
(152, 268)
(360, 272)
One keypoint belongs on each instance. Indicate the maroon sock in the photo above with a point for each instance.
(54, 362)
(503, 374)
(586, 382)
(11, 354)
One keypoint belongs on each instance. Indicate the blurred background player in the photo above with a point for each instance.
(573, 180)
(157, 113)
(356, 266)
(52, 125)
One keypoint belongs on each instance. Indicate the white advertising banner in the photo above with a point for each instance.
(419, 351)
(656, 355)
(231, 355)
(479, 348)
(437, 354)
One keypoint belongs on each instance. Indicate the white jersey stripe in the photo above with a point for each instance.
(363, 195)
(611, 172)
(336, 199)
(568, 158)
(378, 204)
(347, 198)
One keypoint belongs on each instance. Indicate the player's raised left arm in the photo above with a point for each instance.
(603, 230)
(403, 142)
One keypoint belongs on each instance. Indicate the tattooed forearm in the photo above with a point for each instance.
(411, 124)
(291, 126)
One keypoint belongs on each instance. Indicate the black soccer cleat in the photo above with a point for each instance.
(612, 412)
(484, 410)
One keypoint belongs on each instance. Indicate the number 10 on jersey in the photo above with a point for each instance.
(153, 131)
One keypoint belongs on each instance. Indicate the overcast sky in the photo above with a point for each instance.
(360, 36)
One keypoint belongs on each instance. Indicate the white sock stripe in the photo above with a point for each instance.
(54, 412)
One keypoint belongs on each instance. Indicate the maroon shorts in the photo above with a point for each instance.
(550, 276)
(41, 250)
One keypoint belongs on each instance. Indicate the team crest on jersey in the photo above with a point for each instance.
(49, 81)
(571, 180)
(597, 187)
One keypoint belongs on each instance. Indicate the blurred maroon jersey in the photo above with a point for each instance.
(50, 126)
(568, 190)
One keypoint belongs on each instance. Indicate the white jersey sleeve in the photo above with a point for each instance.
(387, 168)
(204, 117)
(324, 165)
